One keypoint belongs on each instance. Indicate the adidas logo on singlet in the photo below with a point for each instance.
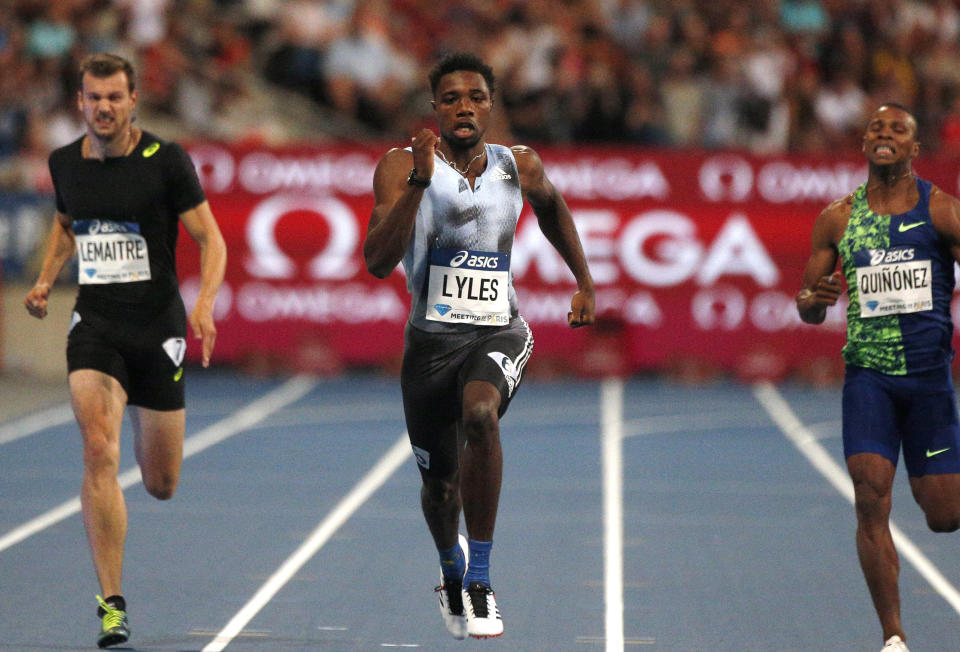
(500, 175)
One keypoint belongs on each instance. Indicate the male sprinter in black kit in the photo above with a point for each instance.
(120, 194)
(448, 208)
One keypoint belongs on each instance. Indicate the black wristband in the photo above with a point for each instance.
(414, 180)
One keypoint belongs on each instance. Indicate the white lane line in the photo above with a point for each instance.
(34, 423)
(688, 423)
(612, 418)
(806, 442)
(292, 390)
(374, 479)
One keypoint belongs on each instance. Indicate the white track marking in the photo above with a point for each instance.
(806, 442)
(379, 474)
(244, 418)
(612, 418)
(34, 423)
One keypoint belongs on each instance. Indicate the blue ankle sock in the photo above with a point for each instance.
(452, 562)
(478, 570)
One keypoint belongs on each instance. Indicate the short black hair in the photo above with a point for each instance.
(102, 65)
(897, 105)
(455, 61)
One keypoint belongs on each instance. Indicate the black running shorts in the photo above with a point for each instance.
(146, 358)
(436, 368)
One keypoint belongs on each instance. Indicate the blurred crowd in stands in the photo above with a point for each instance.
(767, 76)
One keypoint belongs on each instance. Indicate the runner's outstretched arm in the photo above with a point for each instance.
(557, 225)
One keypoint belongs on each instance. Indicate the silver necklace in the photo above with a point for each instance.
(462, 173)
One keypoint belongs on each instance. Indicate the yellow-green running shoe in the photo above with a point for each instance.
(114, 627)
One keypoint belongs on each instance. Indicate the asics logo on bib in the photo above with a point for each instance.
(477, 262)
(885, 256)
(96, 226)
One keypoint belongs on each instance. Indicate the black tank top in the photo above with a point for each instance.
(125, 213)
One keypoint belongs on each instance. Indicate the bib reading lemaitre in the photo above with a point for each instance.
(458, 260)
(125, 215)
(900, 282)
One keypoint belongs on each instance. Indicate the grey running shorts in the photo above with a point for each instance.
(436, 368)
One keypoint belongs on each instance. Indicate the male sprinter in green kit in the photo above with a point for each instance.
(897, 237)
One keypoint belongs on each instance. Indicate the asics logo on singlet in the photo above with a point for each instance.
(885, 257)
(468, 260)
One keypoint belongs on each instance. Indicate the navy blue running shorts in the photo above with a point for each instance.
(918, 412)
(147, 359)
(436, 368)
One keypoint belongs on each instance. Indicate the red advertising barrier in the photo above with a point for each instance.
(696, 258)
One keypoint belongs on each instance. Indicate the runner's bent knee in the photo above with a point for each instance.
(943, 523)
(161, 485)
(480, 420)
(101, 453)
(441, 490)
(943, 515)
(872, 503)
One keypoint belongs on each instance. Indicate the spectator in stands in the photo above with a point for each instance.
(302, 32)
(950, 129)
(643, 115)
(768, 66)
(804, 63)
(722, 104)
(682, 100)
(840, 107)
(52, 35)
(367, 76)
(891, 69)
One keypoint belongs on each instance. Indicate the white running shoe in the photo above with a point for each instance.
(480, 606)
(894, 644)
(451, 600)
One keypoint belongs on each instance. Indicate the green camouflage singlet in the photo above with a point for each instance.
(900, 283)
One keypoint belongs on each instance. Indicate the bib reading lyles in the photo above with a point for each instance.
(891, 281)
(469, 287)
(111, 252)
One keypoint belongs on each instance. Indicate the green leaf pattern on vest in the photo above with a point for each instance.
(877, 342)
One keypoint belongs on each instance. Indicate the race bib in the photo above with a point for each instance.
(894, 283)
(111, 252)
(469, 287)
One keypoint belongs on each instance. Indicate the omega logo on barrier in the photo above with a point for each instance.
(335, 261)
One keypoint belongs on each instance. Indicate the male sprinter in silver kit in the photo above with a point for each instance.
(447, 208)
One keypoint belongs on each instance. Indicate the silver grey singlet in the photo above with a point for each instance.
(457, 262)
